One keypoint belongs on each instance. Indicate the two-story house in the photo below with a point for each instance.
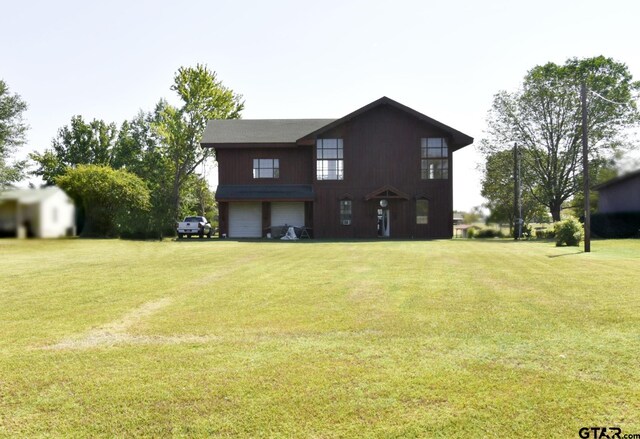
(382, 171)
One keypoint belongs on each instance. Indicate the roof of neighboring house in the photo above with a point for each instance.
(236, 192)
(617, 180)
(290, 131)
(28, 196)
(259, 130)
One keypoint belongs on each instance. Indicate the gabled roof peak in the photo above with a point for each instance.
(459, 139)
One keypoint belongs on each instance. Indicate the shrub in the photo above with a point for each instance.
(546, 234)
(471, 232)
(488, 233)
(568, 232)
(526, 231)
(111, 199)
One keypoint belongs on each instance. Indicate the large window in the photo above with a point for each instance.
(330, 159)
(434, 154)
(345, 212)
(422, 211)
(266, 168)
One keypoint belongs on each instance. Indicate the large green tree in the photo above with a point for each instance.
(544, 118)
(12, 135)
(141, 151)
(79, 143)
(162, 147)
(203, 98)
(498, 188)
(111, 199)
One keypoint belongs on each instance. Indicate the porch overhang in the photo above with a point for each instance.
(271, 192)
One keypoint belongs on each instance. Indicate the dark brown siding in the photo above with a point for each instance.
(235, 166)
(623, 196)
(382, 147)
(266, 217)
(223, 219)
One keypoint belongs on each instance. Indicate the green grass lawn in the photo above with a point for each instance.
(103, 338)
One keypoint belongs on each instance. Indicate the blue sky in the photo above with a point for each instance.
(296, 59)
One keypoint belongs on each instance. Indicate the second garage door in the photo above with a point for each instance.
(291, 213)
(245, 220)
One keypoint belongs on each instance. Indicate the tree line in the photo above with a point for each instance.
(137, 178)
(147, 167)
(543, 118)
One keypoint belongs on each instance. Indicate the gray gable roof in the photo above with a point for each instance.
(616, 180)
(296, 131)
(245, 131)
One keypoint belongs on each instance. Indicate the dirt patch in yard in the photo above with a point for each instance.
(115, 332)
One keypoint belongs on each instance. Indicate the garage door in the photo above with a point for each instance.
(245, 220)
(291, 213)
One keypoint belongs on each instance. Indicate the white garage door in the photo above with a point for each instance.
(291, 213)
(245, 220)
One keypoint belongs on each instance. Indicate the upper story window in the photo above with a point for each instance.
(330, 159)
(434, 155)
(266, 168)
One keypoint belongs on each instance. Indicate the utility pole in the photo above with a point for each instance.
(517, 202)
(585, 170)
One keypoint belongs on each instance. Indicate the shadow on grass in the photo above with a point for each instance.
(285, 241)
(308, 240)
(566, 254)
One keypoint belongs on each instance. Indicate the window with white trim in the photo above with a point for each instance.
(329, 159)
(434, 158)
(266, 168)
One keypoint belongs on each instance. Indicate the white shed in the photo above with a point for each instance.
(40, 213)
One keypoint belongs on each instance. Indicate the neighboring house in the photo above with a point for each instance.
(39, 213)
(382, 171)
(620, 194)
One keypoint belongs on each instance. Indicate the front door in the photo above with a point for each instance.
(384, 230)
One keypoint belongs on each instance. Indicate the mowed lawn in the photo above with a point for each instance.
(103, 338)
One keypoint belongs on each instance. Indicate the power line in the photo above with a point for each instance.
(605, 99)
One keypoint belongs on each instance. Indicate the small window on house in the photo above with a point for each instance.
(345, 212)
(422, 211)
(434, 158)
(329, 159)
(266, 168)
